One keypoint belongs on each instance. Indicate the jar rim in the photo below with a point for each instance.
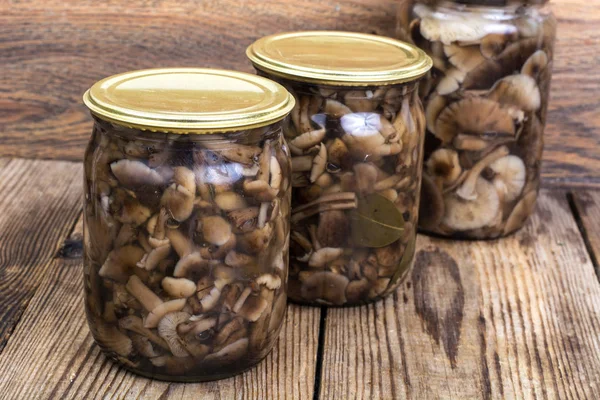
(339, 58)
(189, 100)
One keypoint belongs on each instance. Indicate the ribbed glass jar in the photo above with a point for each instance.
(186, 233)
(486, 100)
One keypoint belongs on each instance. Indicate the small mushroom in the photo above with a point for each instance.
(135, 324)
(536, 63)
(133, 212)
(210, 300)
(494, 43)
(157, 314)
(271, 281)
(119, 262)
(178, 201)
(276, 176)
(239, 260)
(252, 308)
(357, 290)
(510, 176)
(465, 58)
(468, 190)
(230, 201)
(243, 220)
(309, 139)
(178, 287)
(336, 109)
(337, 154)
(451, 82)
(521, 212)
(443, 165)
(517, 90)
(151, 260)
(260, 190)
(191, 262)
(216, 230)
(473, 116)
(463, 215)
(133, 174)
(318, 163)
(167, 329)
(240, 153)
(327, 286)
(323, 256)
(256, 241)
(142, 293)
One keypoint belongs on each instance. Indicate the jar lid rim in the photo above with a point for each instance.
(188, 100)
(339, 58)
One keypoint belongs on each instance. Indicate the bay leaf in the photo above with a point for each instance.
(376, 222)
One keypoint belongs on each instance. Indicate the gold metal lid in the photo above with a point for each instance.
(189, 100)
(338, 58)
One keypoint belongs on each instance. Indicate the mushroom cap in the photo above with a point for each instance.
(444, 164)
(154, 317)
(216, 230)
(455, 28)
(510, 176)
(517, 90)
(361, 100)
(521, 212)
(167, 329)
(256, 241)
(431, 206)
(133, 174)
(243, 220)
(185, 177)
(178, 287)
(473, 115)
(119, 262)
(253, 308)
(178, 201)
(357, 290)
(325, 285)
(464, 215)
(451, 82)
(230, 201)
(338, 154)
(335, 109)
(191, 262)
(536, 63)
(323, 256)
(465, 58)
(271, 281)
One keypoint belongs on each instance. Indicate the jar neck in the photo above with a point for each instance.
(487, 5)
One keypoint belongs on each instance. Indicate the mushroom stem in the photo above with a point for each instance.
(467, 190)
(387, 183)
(135, 324)
(342, 196)
(305, 213)
(312, 231)
(142, 293)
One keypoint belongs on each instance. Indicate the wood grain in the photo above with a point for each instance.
(39, 202)
(51, 354)
(52, 51)
(587, 207)
(513, 318)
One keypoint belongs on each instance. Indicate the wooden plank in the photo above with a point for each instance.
(52, 51)
(51, 354)
(39, 201)
(513, 318)
(587, 207)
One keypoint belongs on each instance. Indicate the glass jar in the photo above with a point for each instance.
(486, 100)
(356, 138)
(187, 202)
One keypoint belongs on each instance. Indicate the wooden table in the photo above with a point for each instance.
(513, 318)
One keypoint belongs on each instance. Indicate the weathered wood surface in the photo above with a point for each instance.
(39, 201)
(516, 318)
(51, 354)
(52, 51)
(587, 207)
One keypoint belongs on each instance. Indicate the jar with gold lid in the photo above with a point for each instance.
(187, 201)
(486, 100)
(356, 137)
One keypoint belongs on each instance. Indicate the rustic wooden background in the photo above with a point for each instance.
(52, 50)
